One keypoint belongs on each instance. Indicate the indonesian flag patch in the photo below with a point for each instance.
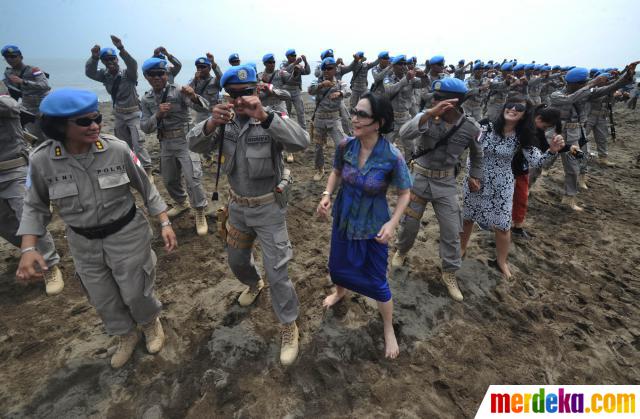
(135, 159)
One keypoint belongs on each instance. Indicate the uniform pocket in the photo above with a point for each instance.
(65, 197)
(228, 153)
(260, 161)
(284, 248)
(114, 187)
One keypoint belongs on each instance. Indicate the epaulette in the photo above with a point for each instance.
(45, 143)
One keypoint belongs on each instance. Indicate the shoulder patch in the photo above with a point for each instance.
(42, 146)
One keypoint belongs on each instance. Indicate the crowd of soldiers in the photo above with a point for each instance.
(249, 131)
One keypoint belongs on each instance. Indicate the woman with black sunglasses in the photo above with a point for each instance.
(364, 167)
(88, 177)
(491, 205)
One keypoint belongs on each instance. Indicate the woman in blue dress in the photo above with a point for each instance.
(491, 206)
(364, 167)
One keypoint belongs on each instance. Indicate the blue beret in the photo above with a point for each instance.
(239, 74)
(449, 85)
(545, 68)
(203, 60)
(556, 67)
(496, 66)
(154, 63)
(267, 57)
(398, 59)
(234, 57)
(383, 55)
(10, 49)
(531, 66)
(605, 74)
(593, 70)
(360, 54)
(290, 51)
(326, 53)
(413, 59)
(436, 59)
(160, 55)
(577, 75)
(508, 66)
(111, 52)
(327, 61)
(254, 65)
(68, 102)
(488, 66)
(478, 65)
(518, 67)
(461, 62)
(609, 69)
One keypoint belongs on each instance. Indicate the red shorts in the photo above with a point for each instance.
(520, 198)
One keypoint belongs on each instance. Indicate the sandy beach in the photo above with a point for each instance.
(570, 316)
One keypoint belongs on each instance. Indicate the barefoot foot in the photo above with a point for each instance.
(334, 298)
(391, 349)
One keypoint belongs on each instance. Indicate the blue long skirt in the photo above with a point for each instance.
(360, 266)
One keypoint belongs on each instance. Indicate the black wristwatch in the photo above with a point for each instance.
(267, 122)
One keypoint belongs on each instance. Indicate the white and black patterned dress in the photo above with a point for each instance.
(491, 205)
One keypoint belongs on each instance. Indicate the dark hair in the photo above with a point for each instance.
(549, 116)
(54, 127)
(525, 129)
(381, 110)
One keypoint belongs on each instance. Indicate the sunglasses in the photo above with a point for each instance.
(234, 62)
(518, 107)
(359, 113)
(269, 62)
(11, 56)
(328, 68)
(86, 122)
(249, 91)
(109, 58)
(202, 67)
(156, 73)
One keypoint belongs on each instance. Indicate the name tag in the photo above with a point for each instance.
(257, 139)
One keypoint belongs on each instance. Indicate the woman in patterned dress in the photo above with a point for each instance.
(364, 167)
(491, 206)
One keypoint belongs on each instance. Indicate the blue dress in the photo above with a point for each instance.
(356, 260)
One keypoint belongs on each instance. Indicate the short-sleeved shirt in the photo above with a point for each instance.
(361, 208)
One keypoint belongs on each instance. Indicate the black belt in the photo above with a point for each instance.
(101, 232)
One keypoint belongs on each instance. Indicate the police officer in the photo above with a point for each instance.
(26, 82)
(234, 59)
(165, 110)
(253, 140)
(399, 86)
(345, 119)
(436, 72)
(572, 101)
(293, 84)
(462, 70)
(443, 133)
(598, 122)
(498, 90)
(121, 85)
(13, 175)
(88, 176)
(360, 69)
(172, 70)
(478, 87)
(271, 85)
(381, 71)
(329, 93)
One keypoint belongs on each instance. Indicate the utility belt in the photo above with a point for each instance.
(104, 231)
(129, 109)
(251, 201)
(571, 125)
(171, 134)
(434, 174)
(604, 113)
(401, 115)
(328, 115)
(13, 163)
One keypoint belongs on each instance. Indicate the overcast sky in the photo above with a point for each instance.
(583, 33)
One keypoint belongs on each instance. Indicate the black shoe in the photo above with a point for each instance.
(521, 233)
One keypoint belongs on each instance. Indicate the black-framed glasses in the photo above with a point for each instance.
(359, 113)
(86, 122)
(518, 107)
(249, 91)
(155, 73)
